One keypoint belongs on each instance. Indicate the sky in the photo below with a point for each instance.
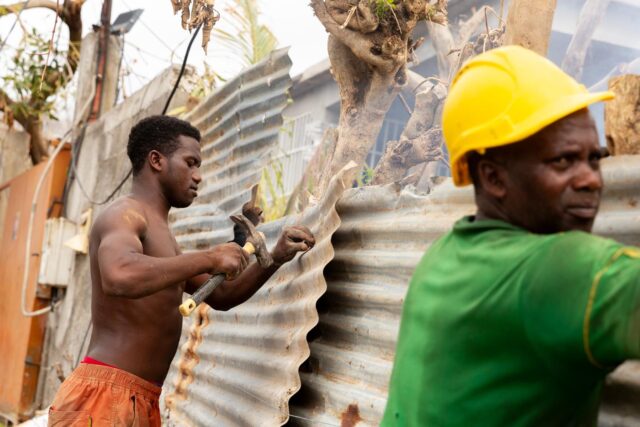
(157, 38)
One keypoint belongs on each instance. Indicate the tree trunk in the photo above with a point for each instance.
(420, 142)
(622, 115)
(366, 96)
(38, 150)
(70, 12)
(590, 17)
(369, 46)
(321, 159)
(443, 43)
(529, 24)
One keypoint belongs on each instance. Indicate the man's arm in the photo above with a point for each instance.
(127, 272)
(234, 292)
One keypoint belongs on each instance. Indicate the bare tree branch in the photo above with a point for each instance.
(358, 43)
(33, 4)
(443, 44)
(469, 27)
(590, 17)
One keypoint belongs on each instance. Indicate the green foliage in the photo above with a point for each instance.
(272, 182)
(23, 80)
(365, 177)
(246, 42)
(384, 6)
(249, 40)
(206, 82)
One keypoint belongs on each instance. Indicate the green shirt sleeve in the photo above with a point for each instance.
(611, 325)
(581, 301)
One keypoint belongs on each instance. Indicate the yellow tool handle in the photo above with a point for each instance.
(203, 292)
(249, 248)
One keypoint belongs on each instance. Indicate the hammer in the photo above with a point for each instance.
(255, 245)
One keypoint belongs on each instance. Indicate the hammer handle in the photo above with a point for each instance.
(203, 292)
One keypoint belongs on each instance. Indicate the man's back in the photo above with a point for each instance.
(505, 327)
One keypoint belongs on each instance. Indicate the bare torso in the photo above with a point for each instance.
(140, 335)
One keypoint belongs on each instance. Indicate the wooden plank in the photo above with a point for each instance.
(529, 24)
(622, 115)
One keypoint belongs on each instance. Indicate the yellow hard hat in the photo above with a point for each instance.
(504, 96)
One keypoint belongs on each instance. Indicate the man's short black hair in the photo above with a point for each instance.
(158, 133)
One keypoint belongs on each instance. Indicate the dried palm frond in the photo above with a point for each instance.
(185, 13)
(177, 6)
(209, 21)
(196, 13)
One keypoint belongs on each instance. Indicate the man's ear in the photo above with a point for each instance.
(156, 160)
(493, 178)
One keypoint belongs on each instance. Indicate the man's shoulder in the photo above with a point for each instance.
(124, 212)
(578, 244)
(571, 257)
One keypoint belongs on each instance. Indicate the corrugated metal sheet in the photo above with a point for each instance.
(239, 368)
(239, 123)
(384, 233)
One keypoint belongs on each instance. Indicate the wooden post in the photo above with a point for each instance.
(622, 115)
(529, 24)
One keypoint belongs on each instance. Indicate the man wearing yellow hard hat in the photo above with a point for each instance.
(515, 316)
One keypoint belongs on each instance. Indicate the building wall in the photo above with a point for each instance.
(14, 159)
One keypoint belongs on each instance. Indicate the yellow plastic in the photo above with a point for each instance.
(504, 96)
(187, 307)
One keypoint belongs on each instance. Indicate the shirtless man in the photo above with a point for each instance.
(138, 278)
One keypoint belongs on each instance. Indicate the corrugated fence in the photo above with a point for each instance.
(240, 124)
(384, 233)
(322, 331)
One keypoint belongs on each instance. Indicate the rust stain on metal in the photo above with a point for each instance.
(351, 416)
(260, 345)
(189, 358)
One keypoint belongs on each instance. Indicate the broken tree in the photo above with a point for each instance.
(48, 79)
(421, 142)
(369, 47)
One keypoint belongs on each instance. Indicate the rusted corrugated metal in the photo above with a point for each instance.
(384, 233)
(22, 337)
(239, 368)
(240, 124)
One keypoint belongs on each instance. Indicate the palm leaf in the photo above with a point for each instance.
(246, 39)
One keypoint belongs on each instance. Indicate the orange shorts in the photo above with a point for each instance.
(97, 396)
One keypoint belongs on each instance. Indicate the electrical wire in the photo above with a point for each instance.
(14, 24)
(164, 111)
(153, 33)
(34, 204)
(184, 64)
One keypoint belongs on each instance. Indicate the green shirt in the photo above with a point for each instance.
(502, 327)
